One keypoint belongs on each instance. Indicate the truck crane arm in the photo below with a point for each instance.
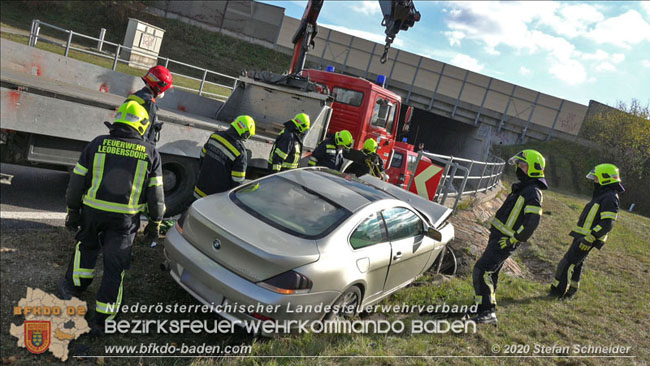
(398, 15)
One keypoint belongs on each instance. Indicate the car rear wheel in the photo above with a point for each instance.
(345, 307)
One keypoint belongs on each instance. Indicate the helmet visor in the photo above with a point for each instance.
(591, 175)
(516, 158)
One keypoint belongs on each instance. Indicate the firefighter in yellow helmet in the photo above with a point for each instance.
(514, 223)
(117, 177)
(329, 152)
(595, 222)
(223, 158)
(287, 148)
(370, 162)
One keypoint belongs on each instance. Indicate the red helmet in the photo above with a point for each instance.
(158, 78)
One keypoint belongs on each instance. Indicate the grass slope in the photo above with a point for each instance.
(611, 308)
(181, 42)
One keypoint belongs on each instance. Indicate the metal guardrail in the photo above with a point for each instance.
(490, 174)
(34, 37)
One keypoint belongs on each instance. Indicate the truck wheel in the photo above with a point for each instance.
(179, 179)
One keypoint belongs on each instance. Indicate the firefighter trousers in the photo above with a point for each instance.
(569, 269)
(486, 274)
(112, 234)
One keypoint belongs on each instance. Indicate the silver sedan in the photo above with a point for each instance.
(302, 238)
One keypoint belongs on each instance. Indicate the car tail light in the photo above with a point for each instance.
(288, 283)
(260, 316)
(180, 221)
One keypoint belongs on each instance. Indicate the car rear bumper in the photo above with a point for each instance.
(213, 285)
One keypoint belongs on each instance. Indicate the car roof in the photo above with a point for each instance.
(343, 189)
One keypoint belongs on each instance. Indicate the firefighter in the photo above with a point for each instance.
(595, 222)
(156, 81)
(371, 162)
(329, 152)
(223, 158)
(118, 176)
(287, 148)
(514, 223)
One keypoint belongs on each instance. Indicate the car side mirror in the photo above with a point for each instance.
(434, 234)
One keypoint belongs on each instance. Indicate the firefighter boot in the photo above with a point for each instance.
(486, 317)
(555, 292)
(571, 292)
(66, 291)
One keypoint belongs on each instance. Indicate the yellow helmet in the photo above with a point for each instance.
(133, 115)
(370, 146)
(344, 138)
(605, 173)
(534, 159)
(245, 126)
(302, 122)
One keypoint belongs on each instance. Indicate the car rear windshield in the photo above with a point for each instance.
(290, 207)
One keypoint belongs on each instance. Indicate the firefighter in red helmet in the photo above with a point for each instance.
(156, 81)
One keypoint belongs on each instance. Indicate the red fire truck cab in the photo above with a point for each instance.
(402, 165)
(362, 107)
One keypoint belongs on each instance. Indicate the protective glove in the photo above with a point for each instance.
(585, 246)
(73, 219)
(151, 232)
(505, 242)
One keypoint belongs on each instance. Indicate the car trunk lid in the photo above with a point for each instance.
(242, 243)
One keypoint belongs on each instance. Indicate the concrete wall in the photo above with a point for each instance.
(423, 82)
(501, 112)
(248, 20)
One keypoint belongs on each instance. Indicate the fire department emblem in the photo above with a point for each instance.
(37, 335)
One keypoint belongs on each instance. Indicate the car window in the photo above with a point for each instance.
(402, 223)
(369, 232)
(398, 158)
(347, 96)
(383, 114)
(290, 207)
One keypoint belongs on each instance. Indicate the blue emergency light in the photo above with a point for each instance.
(381, 80)
(329, 68)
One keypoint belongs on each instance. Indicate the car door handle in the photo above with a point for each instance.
(397, 256)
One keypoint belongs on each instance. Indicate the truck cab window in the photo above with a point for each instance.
(384, 114)
(347, 96)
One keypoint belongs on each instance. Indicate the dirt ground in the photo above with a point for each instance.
(39, 259)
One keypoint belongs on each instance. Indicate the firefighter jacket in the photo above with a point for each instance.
(119, 173)
(145, 98)
(223, 163)
(598, 217)
(326, 154)
(521, 212)
(286, 150)
(371, 164)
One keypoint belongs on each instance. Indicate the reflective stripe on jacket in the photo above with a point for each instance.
(118, 173)
(326, 154)
(286, 150)
(521, 212)
(223, 164)
(598, 217)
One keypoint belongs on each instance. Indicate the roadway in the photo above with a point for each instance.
(35, 199)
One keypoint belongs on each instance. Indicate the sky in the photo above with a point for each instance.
(572, 50)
